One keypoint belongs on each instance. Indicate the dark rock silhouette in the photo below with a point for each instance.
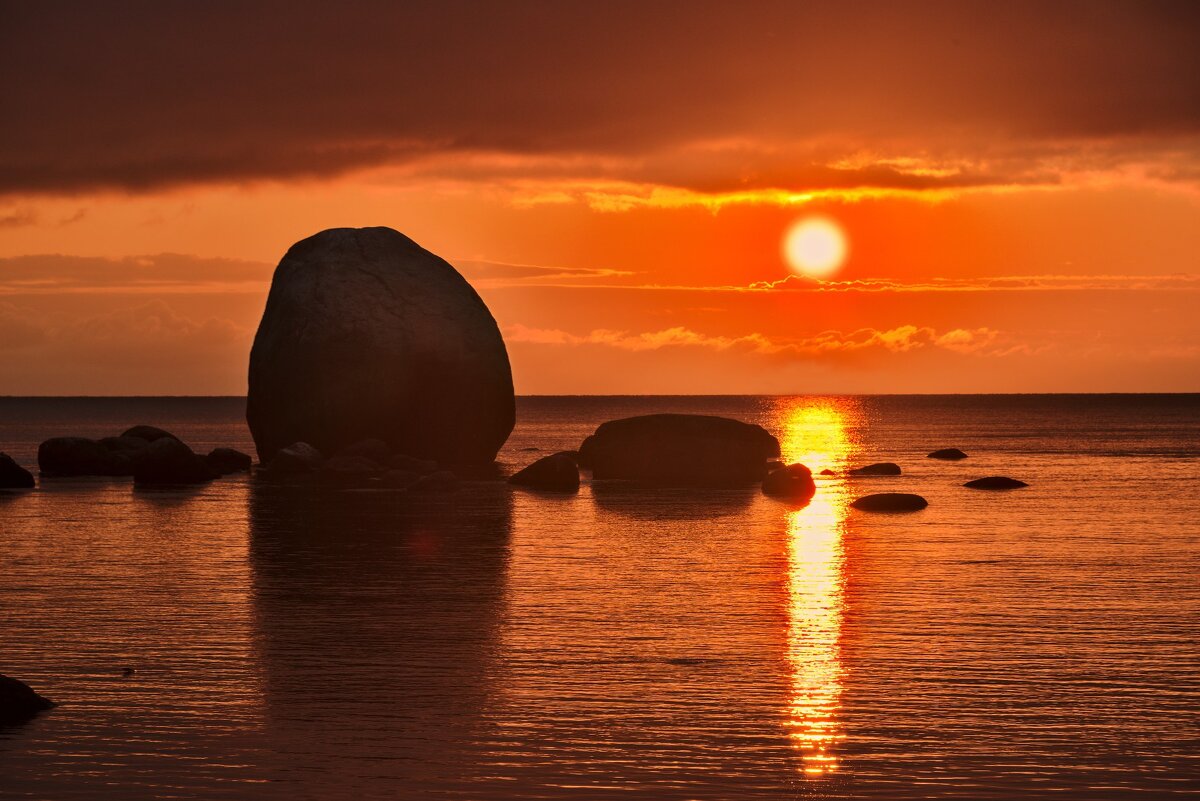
(349, 470)
(441, 481)
(228, 460)
(995, 483)
(76, 456)
(681, 450)
(827, 472)
(169, 461)
(890, 502)
(793, 482)
(123, 452)
(555, 473)
(295, 459)
(148, 433)
(368, 335)
(878, 469)
(950, 454)
(374, 449)
(19, 702)
(572, 455)
(12, 475)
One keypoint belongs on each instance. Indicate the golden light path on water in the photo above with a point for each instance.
(814, 434)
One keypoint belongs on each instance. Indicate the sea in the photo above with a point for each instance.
(497, 643)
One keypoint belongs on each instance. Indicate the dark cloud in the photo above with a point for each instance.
(137, 95)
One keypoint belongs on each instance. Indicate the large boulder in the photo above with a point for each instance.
(18, 701)
(75, 456)
(368, 335)
(681, 450)
(793, 482)
(169, 461)
(12, 475)
(555, 473)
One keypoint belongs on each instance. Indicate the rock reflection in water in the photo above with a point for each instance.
(376, 620)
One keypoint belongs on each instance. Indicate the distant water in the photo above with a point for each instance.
(622, 643)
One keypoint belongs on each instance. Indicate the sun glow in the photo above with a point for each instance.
(815, 247)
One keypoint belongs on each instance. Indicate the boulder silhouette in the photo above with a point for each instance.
(950, 454)
(890, 502)
(169, 461)
(228, 460)
(75, 456)
(18, 701)
(995, 483)
(878, 469)
(555, 473)
(12, 475)
(368, 335)
(680, 450)
(793, 482)
(295, 459)
(148, 433)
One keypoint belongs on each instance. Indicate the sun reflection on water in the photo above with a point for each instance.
(814, 434)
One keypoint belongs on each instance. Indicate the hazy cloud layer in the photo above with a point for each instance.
(710, 96)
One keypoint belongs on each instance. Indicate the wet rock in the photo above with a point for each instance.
(166, 460)
(950, 454)
(367, 334)
(296, 459)
(75, 456)
(877, 469)
(680, 450)
(422, 467)
(555, 473)
(441, 481)
(12, 475)
(228, 460)
(376, 450)
(148, 433)
(995, 483)
(793, 482)
(890, 502)
(19, 702)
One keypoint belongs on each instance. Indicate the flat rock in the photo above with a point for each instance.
(995, 483)
(877, 469)
(19, 702)
(950, 454)
(13, 476)
(555, 473)
(793, 482)
(368, 335)
(890, 502)
(679, 450)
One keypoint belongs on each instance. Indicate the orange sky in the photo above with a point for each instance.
(1019, 184)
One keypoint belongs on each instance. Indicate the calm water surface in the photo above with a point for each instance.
(622, 643)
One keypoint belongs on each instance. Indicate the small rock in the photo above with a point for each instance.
(376, 450)
(228, 460)
(166, 460)
(890, 502)
(827, 472)
(877, 469)
(12, 475)
(127, 671)
(295, 459)
(995, 483)
(556, 473)
(950, 454)
(18, 701)
(149, 433)
(441, 481)
(793, 482)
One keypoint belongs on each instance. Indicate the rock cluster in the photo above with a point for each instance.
(363, 464)
(149, 454)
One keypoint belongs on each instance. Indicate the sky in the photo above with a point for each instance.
(1018, 185)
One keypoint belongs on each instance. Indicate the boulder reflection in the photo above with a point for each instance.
(815, 434)
(376, 623)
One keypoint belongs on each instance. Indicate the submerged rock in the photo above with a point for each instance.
(149, 433)
(793, 482)
(681, 450)
(890, 502)
(228, 460)
(877, 469)
(295, 459)
(12, 475)
(367, 334)
(555, 473)
(169, 461)
(951, 454)
(19, 702)
(995, 483)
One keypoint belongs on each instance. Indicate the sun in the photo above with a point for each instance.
(815, 247)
